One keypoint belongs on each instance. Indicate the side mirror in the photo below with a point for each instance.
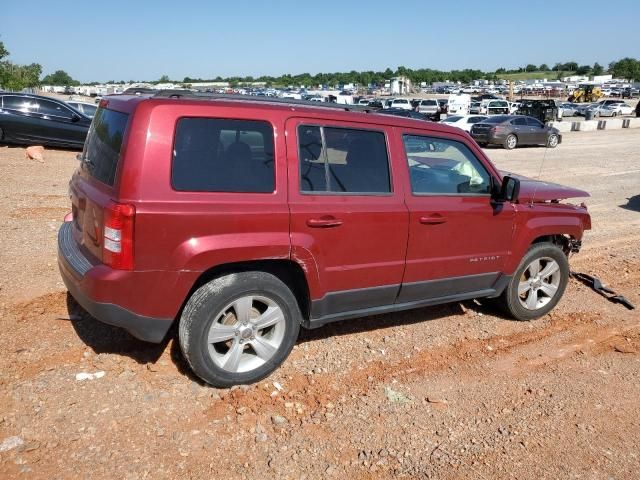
(509, 190)
(75, 117)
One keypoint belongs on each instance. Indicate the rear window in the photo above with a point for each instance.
(400, 101)
(102, 148)
(223, 155)
(429, 102)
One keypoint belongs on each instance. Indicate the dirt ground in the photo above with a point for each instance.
(450, 392)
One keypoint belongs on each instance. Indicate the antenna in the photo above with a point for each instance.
(533, 197)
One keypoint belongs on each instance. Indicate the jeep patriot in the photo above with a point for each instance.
(243, 220)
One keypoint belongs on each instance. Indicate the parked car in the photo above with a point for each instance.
(629, 92)
(513, 130)
(623, 109)
(242, 236)
(88, 109)
(429, 106)
(403, 103)
(568, 109)
(474, 107)
(401, 112)
(443, 103)
(465, 122)
(37, 120)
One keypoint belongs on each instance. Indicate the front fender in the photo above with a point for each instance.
(571, 223)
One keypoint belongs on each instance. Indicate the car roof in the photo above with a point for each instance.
(352, 113)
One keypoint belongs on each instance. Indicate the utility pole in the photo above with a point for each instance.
(511, 90)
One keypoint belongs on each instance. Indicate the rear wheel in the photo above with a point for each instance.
(510, 142)
(538, 283)
(552, 141)
(239, 328)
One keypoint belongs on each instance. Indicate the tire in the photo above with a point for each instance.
(228, 309)
(534, 300)
(552, 141)
(510, 142)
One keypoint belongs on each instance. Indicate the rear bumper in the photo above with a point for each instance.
(89, 284)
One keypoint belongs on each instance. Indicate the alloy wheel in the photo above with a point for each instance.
(539, 283)
(246, 333)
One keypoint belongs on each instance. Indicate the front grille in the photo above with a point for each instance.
(69, 250)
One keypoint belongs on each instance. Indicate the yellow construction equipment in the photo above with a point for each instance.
(586, 93)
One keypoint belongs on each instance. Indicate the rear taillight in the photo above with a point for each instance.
(117, 246)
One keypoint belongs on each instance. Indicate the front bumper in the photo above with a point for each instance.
(81, 278)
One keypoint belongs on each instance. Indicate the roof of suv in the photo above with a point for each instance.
(354, 113)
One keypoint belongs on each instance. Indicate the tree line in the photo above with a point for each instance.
(18, 77)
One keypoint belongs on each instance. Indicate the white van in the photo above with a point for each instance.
(459, 104)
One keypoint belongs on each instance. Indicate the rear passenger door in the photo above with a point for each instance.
(522, 130)
(348, 218)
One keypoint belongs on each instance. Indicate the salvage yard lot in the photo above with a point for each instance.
(446, 392)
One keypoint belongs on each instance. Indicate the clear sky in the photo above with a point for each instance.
(128, 40)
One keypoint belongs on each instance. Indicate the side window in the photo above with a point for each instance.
(20, 104)
(519, 121)
(223, 155)
(342, 160)
(532, 122)
(438, 166)
(53, 109)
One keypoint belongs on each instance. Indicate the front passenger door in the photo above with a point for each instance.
(459, 239)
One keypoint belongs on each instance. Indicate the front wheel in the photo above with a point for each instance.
(510, 142)
(538, 283)
(552, 141)
(239, 328)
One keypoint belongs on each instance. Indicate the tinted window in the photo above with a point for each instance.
(429, 102)
(22, 104)
(400, 101)
(223, 155)
(439, 166)
(475, 119)
(452, 119)
(102, 148)
(519, 121)
(53, 109)
(342, 160)
(532, 122)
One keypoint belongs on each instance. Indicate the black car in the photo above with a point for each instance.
(36, 120)
(401, 112)
(513, 130)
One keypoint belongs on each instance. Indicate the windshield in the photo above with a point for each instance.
(453, 119)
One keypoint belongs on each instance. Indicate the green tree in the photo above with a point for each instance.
(530, 68)
(597, 69)
(61, 78)
(627, 68)
(543, 67)
(570, 66)
(164, 79)
(583, 69)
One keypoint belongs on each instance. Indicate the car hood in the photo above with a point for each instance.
(532, 190)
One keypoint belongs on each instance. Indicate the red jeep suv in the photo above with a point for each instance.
(244, 219)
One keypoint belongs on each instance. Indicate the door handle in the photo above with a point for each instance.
(324, 222)
(434, 220)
